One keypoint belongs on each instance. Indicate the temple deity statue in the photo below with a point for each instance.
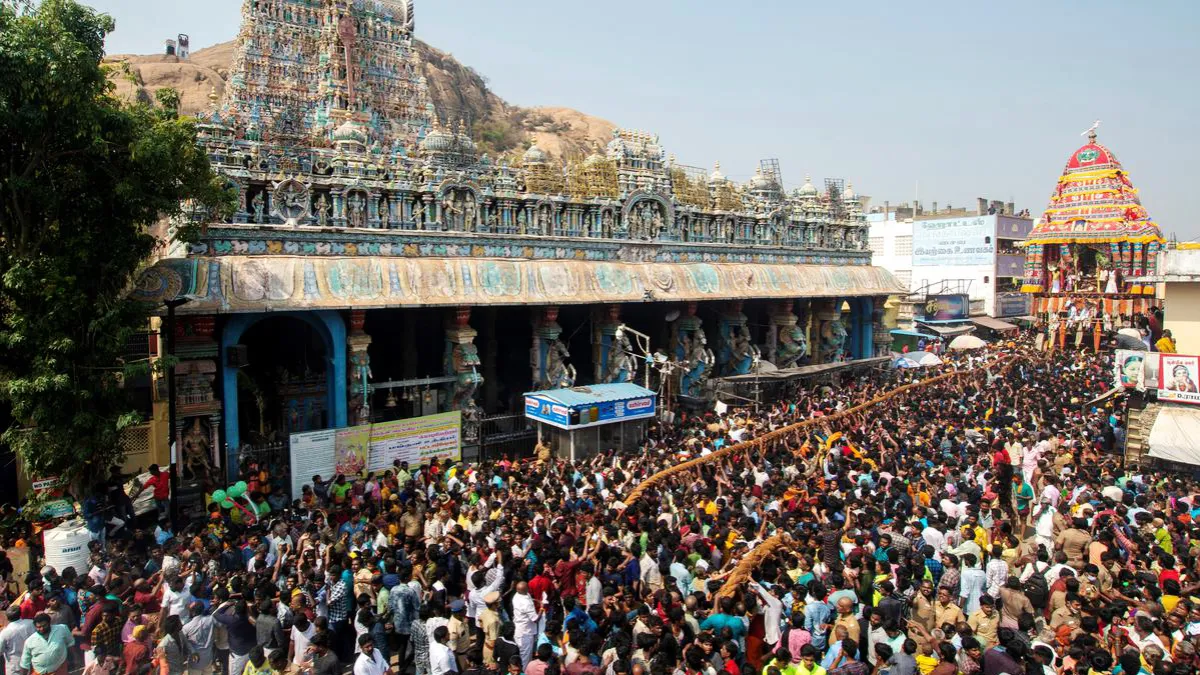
(450, 212)
(464, 361)
(468, 210)
(697, 364)
(743, 353)
(791, 348)
(635, 224)
(606, 224)
(358, 210)
(197, 451)
(833, 341)
(257, 204)
(322, 207)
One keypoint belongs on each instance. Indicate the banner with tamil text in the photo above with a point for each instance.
(373, 447)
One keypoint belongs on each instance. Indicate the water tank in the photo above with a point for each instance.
(67, 546)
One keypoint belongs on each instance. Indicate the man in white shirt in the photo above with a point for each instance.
(176, 598)
(772, 610)
(441, 659)
(594, 591)
(651, 576)
(492, 579)
(525, 622)
(370, 661)
(12, 640)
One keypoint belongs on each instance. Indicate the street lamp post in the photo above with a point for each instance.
(169, 349)
(643, 344)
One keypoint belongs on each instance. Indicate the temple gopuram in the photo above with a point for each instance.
(1092, 243)
(379, 266)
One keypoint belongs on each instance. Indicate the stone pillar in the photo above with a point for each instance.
(339, 208)
(359, 370)
(830, 332)
(606, 367)
(374, 217)
(197, 409)
(395, 210)
(880, 337)
(736, 353)
(786, 343)
(491, 348)
(689, 350)
(461, 360)
(548, 356)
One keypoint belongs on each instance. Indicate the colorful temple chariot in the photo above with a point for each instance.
(378, 266)
(1086, 253)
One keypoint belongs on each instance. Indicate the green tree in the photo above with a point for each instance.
(83, 177)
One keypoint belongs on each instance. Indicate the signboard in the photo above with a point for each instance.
(44, 484)
(957, 241)
(374, 447)
(1129, 369)
(546, 411)
(948, 307)
(1013, 304)
(1178, 376)
(587, 415)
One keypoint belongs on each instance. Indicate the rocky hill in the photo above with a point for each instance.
(457, 91)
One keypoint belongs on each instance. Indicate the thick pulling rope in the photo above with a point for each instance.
(778, 434)
(741, 573)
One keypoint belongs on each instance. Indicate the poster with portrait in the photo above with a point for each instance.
(1178, 376)
(1130, 369)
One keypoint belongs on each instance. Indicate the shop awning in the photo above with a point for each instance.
(993, 324)
(595, 404)
(910, 333)
(947, 330)
(1173, 436)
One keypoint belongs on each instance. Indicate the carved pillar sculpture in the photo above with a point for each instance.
(690, 351)
(198, 411)
(359, 372)
(612, 363)
(736, 354)
(831, 333)
(461, 360)
(786, 344)
(548, 356)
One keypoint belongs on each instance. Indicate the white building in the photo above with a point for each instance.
(978, 250)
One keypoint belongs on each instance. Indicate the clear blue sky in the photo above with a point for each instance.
(967, 99)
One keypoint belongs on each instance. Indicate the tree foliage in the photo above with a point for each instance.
(83, 177)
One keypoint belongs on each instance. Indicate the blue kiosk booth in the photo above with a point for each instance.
(580, 422)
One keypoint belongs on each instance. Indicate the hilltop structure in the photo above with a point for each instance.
(379, 266)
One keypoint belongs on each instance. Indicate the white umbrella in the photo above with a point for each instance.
(930, 360)
(966, 342)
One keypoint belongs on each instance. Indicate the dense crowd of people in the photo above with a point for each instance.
(979, 524)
